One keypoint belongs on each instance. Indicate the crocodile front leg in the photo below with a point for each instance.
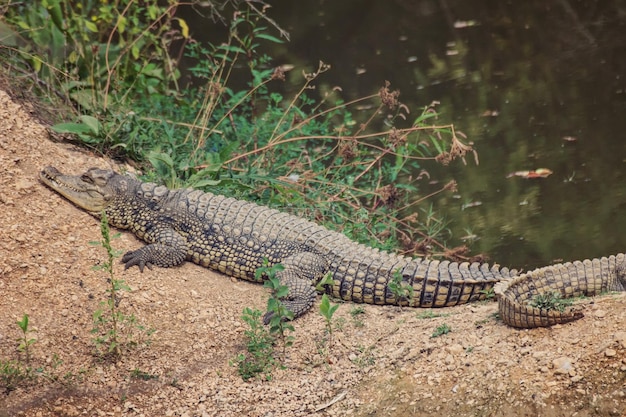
(169, 249)
(302, 272)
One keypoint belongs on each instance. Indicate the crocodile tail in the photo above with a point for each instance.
(517, 297)
(516, 313)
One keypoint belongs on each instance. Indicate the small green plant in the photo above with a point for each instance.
(441, 330)
(480, 323)
(324, 282)
(261, 340)
(365, 357)
(89, 130)
(144, 376)
(24, 342)
(114, 329)
(430, 314)
(356, 313)
(12, 374)
(488, 294)
(72, 379)
(551, 301)
(327, 311)
(403, 291)
(340, 323)
(259, 358)
(277, 317)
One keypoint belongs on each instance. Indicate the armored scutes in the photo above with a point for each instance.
(571, 279)
(235, 237)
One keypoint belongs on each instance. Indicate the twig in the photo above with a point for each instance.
(337, 398)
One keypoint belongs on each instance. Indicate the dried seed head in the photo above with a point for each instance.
(458, 149)
(278, 74)
(451, 186)
(348, 149)
(389, 195)
(396, 139)
(389, 98)
(215, 89)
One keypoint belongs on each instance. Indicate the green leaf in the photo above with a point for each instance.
(91, 26)
(162, 162)
(8, 36)
(37, 63)
(272, 304)
(76, 128)
(135, 51)
(205, 183)
(56, 14)
(121, 23)
(282, 291)
(23, 323)
(326, 308)
(327, 280)
(92, 122)
(184, 28)
(325, 305)
(268, 37)
(333, 309)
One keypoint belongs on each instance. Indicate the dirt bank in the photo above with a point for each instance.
(384, 362)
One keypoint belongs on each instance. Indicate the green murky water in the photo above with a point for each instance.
(534, 84)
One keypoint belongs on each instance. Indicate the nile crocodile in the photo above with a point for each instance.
(236, 237)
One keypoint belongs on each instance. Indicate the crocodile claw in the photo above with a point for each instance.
(135, 257)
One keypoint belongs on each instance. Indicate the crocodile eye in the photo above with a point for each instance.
(86, 178)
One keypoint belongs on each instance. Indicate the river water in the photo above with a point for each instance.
(533, 84)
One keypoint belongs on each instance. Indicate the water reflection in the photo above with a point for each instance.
(535, 84)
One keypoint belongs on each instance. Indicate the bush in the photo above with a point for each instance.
(116, 63)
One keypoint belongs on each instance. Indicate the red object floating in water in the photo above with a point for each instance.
(536, 173)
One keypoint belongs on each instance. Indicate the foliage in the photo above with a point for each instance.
(488, 294)
(12, 374)
(327, 310)
(144, 376)
(324, 282)
(277, 316)
(113, 329)
(231, 129)
(551, 301)
(430, 314)
(356, 313)
(20, 373)
(259, 359)
(24, 342)
(403, 291)
(261, 340)
(441, 330)
(366, 356)
(98, 55)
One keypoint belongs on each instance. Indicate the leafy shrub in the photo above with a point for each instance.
(116, 63)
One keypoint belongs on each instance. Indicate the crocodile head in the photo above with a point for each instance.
(92, 191)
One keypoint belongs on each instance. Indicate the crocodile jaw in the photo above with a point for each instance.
(87, 191)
